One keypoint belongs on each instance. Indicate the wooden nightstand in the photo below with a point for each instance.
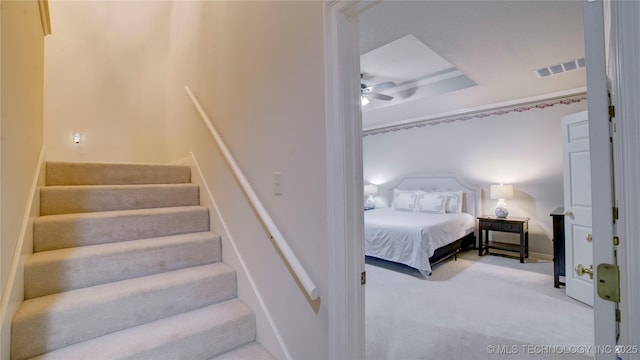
(510, 224)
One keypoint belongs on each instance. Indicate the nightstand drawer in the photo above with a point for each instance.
(500, 226)
(511, 227)
(485, 225)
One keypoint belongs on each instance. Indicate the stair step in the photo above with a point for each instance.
(68, 230)
(54, 271)
(250, 351)
(72, 173)
(43, 324)
(125, 267)
(198, 334)
(92, 198)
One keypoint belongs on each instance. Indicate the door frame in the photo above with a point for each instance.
(604, 322)
(625, 92)
(344, 174)
(345, 218)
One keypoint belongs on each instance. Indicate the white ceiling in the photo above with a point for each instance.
(416, 70)
(496, 44)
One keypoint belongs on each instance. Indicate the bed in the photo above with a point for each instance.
(429, 219)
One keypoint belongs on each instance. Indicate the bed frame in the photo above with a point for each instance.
(471, 204)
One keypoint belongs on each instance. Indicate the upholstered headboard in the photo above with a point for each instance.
(472, 198)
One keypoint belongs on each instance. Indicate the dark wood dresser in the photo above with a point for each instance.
(558, 246)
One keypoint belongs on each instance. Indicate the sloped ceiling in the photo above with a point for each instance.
(497, 44)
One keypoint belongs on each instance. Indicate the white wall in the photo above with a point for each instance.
(519, 148)
(21, 70)
(257, 68)
(115, 72)
(22, 74)
(105, 77)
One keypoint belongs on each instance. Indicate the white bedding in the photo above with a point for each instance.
(411, 238)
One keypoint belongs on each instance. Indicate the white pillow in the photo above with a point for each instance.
(404, 200)
(431, 202)
(453, 203)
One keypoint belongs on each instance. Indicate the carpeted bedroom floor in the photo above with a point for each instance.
(489, 307)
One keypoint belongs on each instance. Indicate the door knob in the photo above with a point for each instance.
(589, 238)
(568, 213)
(581, 270)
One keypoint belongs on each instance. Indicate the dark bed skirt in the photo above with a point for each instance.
(441, 254)
(449, 250)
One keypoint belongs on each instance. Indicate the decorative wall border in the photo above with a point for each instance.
(498, 111)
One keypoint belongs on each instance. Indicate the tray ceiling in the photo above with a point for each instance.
(447, 56)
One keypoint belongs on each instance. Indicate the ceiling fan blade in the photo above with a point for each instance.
(383, 86)
(378, 96)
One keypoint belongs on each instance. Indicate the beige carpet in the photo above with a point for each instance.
(473, 308)
(125, 267)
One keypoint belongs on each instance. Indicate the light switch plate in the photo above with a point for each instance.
(277, 183)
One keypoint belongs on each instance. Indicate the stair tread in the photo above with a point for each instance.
(73, 299)
(114, 186)
(117, 213)
(42, 324)
(58, 270)
(68, 199)
(149, 341)
(125, 267)
(95, 173)
(69, 230)
(251, 351)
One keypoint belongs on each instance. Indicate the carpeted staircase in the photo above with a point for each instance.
(125, 267)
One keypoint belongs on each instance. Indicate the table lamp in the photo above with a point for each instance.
(370, 191)
(501, 192)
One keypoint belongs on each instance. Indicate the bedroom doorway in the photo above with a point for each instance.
(342, 56)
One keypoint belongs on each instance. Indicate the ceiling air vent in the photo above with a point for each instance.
(560, 68)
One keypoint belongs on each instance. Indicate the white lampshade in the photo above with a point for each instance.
(501, 192)
(370, 190)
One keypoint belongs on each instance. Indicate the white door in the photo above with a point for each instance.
(577, 205)
(601, 167)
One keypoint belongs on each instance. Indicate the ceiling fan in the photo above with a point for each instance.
(370, 92)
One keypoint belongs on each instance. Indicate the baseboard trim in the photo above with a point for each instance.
(210, 202)
(183, 161)
(13, 293)
(541, 256)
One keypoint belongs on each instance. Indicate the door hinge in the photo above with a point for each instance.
(616, 241)
(618, 316)
(363, 278)
(612, 112)
(608, 282)
(615, 213)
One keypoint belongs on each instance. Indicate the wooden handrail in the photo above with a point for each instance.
(288, 254)
(45, 18)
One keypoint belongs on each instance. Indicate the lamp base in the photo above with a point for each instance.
(501, 212)
(369, 203)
